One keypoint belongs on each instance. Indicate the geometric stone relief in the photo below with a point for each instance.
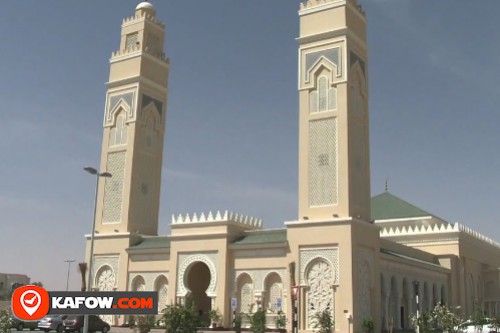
(323, 159)
(113, 188)
(186, 261)
(319, 291)
(330, 255)
(105, 271)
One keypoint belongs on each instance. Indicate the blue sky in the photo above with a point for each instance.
(231, 139)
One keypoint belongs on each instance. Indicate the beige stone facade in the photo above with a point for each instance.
(355, 256)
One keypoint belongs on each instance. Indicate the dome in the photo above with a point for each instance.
(145, 5)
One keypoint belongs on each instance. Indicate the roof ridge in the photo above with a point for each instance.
(388, 206)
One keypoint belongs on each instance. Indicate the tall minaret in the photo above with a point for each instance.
(134, 127)
(334, 161)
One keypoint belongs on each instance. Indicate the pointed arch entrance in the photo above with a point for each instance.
(197, 281)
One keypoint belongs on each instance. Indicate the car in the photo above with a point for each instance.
(20, 325)
(75, 324)
(52, 323)
(472, 327)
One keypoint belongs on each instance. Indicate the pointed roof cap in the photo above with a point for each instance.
(386, 206)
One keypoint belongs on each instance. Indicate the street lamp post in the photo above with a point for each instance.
(69, 261)
(97, 175)
(416, 284)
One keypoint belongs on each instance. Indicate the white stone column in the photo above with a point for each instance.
(385, 310)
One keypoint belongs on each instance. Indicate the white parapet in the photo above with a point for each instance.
(225, 216)
(435, 229)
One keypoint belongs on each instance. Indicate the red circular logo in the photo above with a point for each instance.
(30, 302)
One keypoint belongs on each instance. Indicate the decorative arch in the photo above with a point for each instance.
(161, 286)
(138, 283)
(244, 289)
(358, 92)
(151, 126)
(322, 64)
(323, 95)
(273, 290)
(320, 280)
(183, 272)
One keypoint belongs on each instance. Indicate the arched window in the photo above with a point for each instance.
(150, 133)
(273, 292)
(357, 99)
(138, 284)
(118, 133)
(161, 286)
(324, 98)
(245, 293)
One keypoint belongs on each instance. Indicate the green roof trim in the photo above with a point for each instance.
(158, 242)
(386, 206)
(263, 237)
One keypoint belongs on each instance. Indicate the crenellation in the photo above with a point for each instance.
(218, 216)
(308, 4)
(437, 229)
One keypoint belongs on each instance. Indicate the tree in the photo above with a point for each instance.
(82, 268)
(37, 283)
(446, 319)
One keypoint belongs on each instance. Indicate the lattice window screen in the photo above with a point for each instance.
(113, 188)
(323, 182)
(332, 99)
(131, 40)
(245, 294)
(118, 133)
(313, 102)
(275, 292)
(162, 297)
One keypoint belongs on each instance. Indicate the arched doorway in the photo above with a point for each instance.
(197, 281)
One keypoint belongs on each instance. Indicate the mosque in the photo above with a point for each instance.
(357, 256)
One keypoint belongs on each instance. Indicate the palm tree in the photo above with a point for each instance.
(82, 268)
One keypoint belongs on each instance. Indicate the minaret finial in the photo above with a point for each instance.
(387, 184)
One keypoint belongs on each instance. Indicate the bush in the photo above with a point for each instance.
(280, 320)
(142, 324)
(441, 319)
(258, 321)
(324, 321)
(181, 319)
(5, 321)
(215, 316)
(237, 322)
(368, 325)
